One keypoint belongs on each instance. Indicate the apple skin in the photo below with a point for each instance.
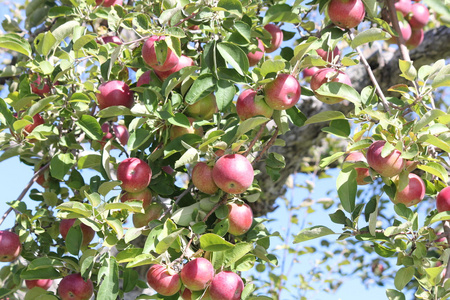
(135, 174)
(388, 166)
(320, 77)
(42, 283)
(112, 39)
(328, 55)
(145, 196)
(203, 109)
(346, 13)
(420, 16)
(152, 212)
(114, 93)
(149, 55)
(405, 31)
(255, 57)
(277, 37)
(443, 200)
(226, 285)
(283, 92)
(403, 6)
(361, 172)
(145, 78)
(202, 178)
(37, 120)
(88, 232)
(40, 91)
(10, 246)
(413, 193)
(177, 131)
(108, 3)
(73, 287)
(120, 131)
(183, 62)
(416, 38)
(197, 274)
(233, 173)
(248, 106)
(159, 279)
(240, 217)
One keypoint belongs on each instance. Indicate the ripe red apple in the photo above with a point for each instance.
(413, 193)
(197, 274)
(388, 166)
(403, 6)
(40, 86)
(145, 78)
(203, 109)
(361, 172)
(442, 200)
(183, 62)
(226, 285)
(145, 196)
(256, 56)
(152, 212)
(420, 16)
(114, 93)
(112, 39)
(346, 13)
(329, 55)
(42, 283)
(248, 105)
(202, 178)
(88, 232)
(108, 3)
(328, 75)
(177, 131)
(150, 57)
(309, 72)
(405, 31)
(277, 37)
(135, 174)
(416, 38)
(73, 287)
(240, 217)
(41, 181)
(233, 173)
(10, 246)
(37, 120)
(163, 281)
(120, 132)
(186, 295)
(283, 92)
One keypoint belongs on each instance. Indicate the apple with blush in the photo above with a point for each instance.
(443, 200)
(41, 283)
(152, 212)
(73, 287)
(145, 78)
(413, 193)
(183, 62)
(240, 217)
(405, 31)
(328, 75)
(233, 173)
(329, 56)
(177, 131)
(255, 56)
(40, 86)
(88, 232)
(202, 178)
(403, 6)
(419, 16)
(203, 109)
(226, 285)
(112, 39)
(387, 166)
(361, 172)
(276, 37)
(151, 58)
(346, 13)
(249, 105)
(283, 92)
(37, 120)
(135, 174)
(114, 93)
(145, 196)
(163, 280)
(197, 274)
(416, 38)
(309, 72)
(120, 132)
(10, 246)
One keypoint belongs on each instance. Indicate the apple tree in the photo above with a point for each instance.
(161, 131)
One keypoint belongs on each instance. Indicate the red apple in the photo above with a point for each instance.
(112, 39)
(197, 274)
(186, 295)
(203, 109)
(388, 166)
(249, 105)
(135, 174)
(413, 193)
(183, 62)
(420, 16)
(88, 232)
(40, 86)
(240, 217)
(226, 285)
(145, 78)
(328, 55)
(361, 172)
(202, 178)
(74, 287)
(42, 181)
(277, 37)
(328, 75)
(233, 173)
(145, 196)
(168, 169)
(403, 6)
(37, 120)
(416, 38)
(152, 212)
(283, 92)
(405, 31)
(10, 246)
(177, 131)
(150, 57)
(443, 200)
(309, 72)
(108, 3)
(42, 283)
(114, 93)
(163, 281)
(120, 132)
(256, 56)
(346, 13)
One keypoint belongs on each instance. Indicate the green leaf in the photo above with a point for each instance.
(250, 124)
(225, 92)
(235, 56)
(346, 188)
(116, 225)
(408, 70)
(108, 186)
(63, 31)
(6, 114)
(403, 276)
(442, 216)
(130, 279)
(340, 128)
(272, 66)
(45, 273)
(189, 157)
(137, 138)
(325, 116)
(296, 116)
(281, 13)
(128, 255)
(74, 239)
(183, 216)
(383, 251)
(61, 164)
(237, 252)
(394, 295)
(212, 242)
(91, 127)
(368, 36)
(15, 42)
(168, 240)
(435, 141)
(330, 159)
(427, 118)
(109, 275)
(232, 6)
(435, 169)
(312, 233)
(114, 111)
(76, 207)
(204, 85)
(339, 90)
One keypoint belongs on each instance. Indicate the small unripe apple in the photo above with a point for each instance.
(443, 200)
(162, 281)
(203, 109)
(249, 105)
(40, 86)
(112, 39)
(152, 212)
(197, 274)
(73, 287)
(283, 92)
(403, 6)
(416, 38)
(202, 178)
(226, 285)
(10, 246)
(329, 55)
(255, 57)
(405, 31)
(413, 193)
(328, 75)
(37, 120)
(346, 13)
(120, 132)
(240, 217)
(277, 37)
(233, 173)
(135, 174)
(114, 93)
(145, 196)
(88, 232)
(361, 172)
(150, 57)
(420, 16)
(42, 283)
(183, 62)
(388, 166)
(177, 131)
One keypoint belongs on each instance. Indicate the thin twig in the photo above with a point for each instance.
(255, 139)
(184, 193)
(267, 146)
(187, 18)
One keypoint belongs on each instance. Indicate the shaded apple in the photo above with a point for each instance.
(202, 178)
(329, 56)
(277, 37)
(135, 174)
(120, 132)
(42, 283)
(109, 3)
(183, 62)
(112, 39)
(40, 86)
(405, 31)
(151, 58)
(88, 232)
(240, 217)
(388, 166)
(361, 172)
(163, 281)
(255, 56)
(328, 75)
(419, 16)
(177, 131)
(152, 212)
(226, 285)
(346, 13)
(197, 274)
(145, 78)
(145, 196)
(413, 193)
(233, 173)
(37, 120)
(309, 72)
(249, 105)
(403, 6)
(203, 109)
(114, 93)
(74, 287)
(443, 200)
(416, 38)
(10, 246)
(283, 92)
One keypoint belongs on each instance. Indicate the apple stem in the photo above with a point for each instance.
(187, 18)
(256, 138)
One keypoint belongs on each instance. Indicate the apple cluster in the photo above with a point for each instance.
(416, 16)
